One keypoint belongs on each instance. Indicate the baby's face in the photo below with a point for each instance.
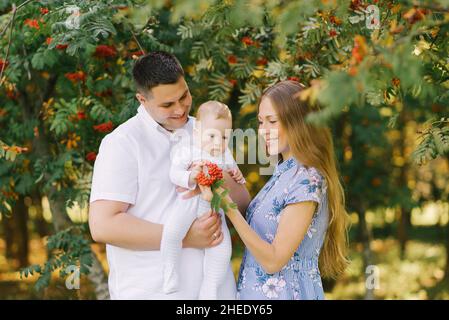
(214, 135)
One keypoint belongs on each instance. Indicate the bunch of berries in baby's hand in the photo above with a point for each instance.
(212, 177)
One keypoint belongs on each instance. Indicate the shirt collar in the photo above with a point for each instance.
(148, 119)
(283, 166)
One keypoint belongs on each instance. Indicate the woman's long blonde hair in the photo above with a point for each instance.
(313, 146)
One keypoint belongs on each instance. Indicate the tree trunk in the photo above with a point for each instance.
(98, 277)
(8, 231)
(446, 268)
(365, 238)
(21, 237)
(58, 209)
(404, 214)
(60, 222)
(403, 224)
(402, 183)
(39, 222)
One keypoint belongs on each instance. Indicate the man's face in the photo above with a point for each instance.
(168, 104)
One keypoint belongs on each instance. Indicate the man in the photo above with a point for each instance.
(131, 190)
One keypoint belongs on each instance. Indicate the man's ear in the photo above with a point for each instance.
(140, 97)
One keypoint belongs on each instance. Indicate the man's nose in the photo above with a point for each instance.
(180, 109)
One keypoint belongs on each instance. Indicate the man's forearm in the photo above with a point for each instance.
(126, 231)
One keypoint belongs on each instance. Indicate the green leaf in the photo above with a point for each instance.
(38, 61)
(44, 58)
(233, 205)
(224, 193)
(100, 113)
(10, 155)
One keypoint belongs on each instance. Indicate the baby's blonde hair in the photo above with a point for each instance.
(214, 108)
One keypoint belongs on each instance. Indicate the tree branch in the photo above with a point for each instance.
(138, 43)
(11, 23)
(14, 10)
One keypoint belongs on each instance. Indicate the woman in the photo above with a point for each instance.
(295, 228)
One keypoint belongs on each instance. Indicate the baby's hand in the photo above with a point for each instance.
(195, 169)
(206, 193)
(237, 175)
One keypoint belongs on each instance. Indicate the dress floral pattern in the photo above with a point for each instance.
(300, 278)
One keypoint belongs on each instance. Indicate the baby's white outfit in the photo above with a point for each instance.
(185, 211)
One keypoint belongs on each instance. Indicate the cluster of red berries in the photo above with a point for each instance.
(91, 156)
(3, 64)
(76, 76)
(104, 127)
(211, 174)
(232, 59)
(32, 23)
(61, 46)
(105, 51)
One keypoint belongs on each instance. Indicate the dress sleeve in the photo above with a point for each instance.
(307, 185)
(115, 174)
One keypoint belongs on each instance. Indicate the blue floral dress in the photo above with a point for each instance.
(300, 278)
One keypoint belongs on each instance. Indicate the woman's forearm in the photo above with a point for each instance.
(237, 192)
(264, 252)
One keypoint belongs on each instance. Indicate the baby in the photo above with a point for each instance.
(210, 144)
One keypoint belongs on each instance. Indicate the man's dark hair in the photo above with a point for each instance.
(155, 68)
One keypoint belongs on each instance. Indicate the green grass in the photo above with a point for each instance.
(418, 276)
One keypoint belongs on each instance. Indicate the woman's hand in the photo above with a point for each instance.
(228, 201)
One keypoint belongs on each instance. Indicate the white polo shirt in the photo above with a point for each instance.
(133, 166)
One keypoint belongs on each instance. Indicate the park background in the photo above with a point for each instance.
(377, 69)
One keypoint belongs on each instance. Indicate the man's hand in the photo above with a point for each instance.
(205, 232)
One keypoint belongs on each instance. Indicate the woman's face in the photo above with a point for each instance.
(270, 129)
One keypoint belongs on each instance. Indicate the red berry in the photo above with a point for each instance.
(212, 174)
